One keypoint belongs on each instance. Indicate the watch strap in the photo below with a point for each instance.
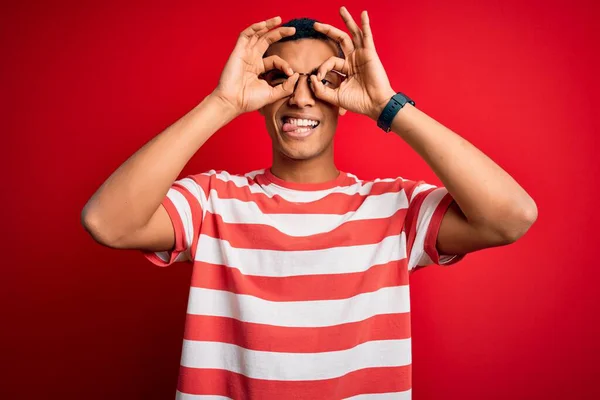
(395, 104)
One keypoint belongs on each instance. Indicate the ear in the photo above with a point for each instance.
(342, 111)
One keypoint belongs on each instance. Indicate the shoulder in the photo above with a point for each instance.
(396, 186)
(382, 185)
(214, 176)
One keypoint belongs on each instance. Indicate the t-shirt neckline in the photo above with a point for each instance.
(306, 186)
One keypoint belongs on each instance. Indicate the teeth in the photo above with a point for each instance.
(302, 122)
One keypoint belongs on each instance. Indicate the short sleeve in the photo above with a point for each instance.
(185, 204)
(427, 205)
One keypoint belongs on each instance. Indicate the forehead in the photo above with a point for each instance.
(304, 55)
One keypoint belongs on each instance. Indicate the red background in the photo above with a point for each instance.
(85, 85)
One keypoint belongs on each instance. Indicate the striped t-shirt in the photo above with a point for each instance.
(300, 291)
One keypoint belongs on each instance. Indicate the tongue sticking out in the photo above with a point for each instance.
(287, 127)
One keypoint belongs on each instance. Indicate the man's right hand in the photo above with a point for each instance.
(240, 85)
(126, 211)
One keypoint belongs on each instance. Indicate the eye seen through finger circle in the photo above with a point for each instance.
(332, 79)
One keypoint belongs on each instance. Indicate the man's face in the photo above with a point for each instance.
(285, 118)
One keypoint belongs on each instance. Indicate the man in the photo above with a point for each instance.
(300, 271)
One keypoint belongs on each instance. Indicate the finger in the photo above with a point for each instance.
(333, 63)
(249, 36)
(276, 62)
(256, 37)
(254, 28)
(323, 92)
(366, 28)
(271, 37)
(285, 89)
(336, 34)
(357, 35)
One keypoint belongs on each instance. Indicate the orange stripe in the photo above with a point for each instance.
(301, 287)
(412, 218)
(410, 186)
(334, 203)
(179, 232)
(224, 383)
(266, 237)
(196, 209)
(434, 228)
(286, 339)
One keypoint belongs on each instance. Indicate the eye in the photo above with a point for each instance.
(332, 80)
(278, 79)
(274, 77)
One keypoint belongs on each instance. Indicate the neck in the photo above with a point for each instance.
(316, 170)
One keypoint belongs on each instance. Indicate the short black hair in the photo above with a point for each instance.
(305, 30)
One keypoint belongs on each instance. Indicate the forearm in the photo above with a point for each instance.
(129, 197)
(487, 195)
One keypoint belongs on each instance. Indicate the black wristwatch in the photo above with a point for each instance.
(391, 109)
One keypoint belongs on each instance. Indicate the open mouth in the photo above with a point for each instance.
(297, 127)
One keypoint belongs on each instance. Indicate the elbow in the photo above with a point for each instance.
(92, 223)
(520, 225)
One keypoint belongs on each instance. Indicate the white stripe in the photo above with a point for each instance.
(421, 188)
(165, 256)
(405, 395)
(252, 174)
(236, 211)
(314, 313)
(184, 209)
(271, 190)
(418, 256)
(335, 260)
(185, 213)
(295, 366)
(185, 396)
(195, 190)
(299, 196)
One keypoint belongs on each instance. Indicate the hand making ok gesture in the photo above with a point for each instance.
(240, 85)
(366, 89)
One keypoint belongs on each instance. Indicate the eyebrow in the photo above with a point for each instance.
(313, 72)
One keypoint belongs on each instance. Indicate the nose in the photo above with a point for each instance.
(303, 95)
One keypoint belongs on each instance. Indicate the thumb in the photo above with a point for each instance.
(285, 89)
(323, 92)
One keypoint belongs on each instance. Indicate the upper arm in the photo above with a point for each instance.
(157, 235)
(172, 232)
(427, 205)
(437, 231)
(458, 236)
(177, 223)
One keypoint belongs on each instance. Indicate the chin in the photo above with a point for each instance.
(299, 154)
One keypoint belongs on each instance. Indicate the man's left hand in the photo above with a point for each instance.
(366, 89)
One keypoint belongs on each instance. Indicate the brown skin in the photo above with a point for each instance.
(490, 207)
(126, 211)
(303, 159)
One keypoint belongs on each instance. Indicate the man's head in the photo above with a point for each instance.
(305, 51)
